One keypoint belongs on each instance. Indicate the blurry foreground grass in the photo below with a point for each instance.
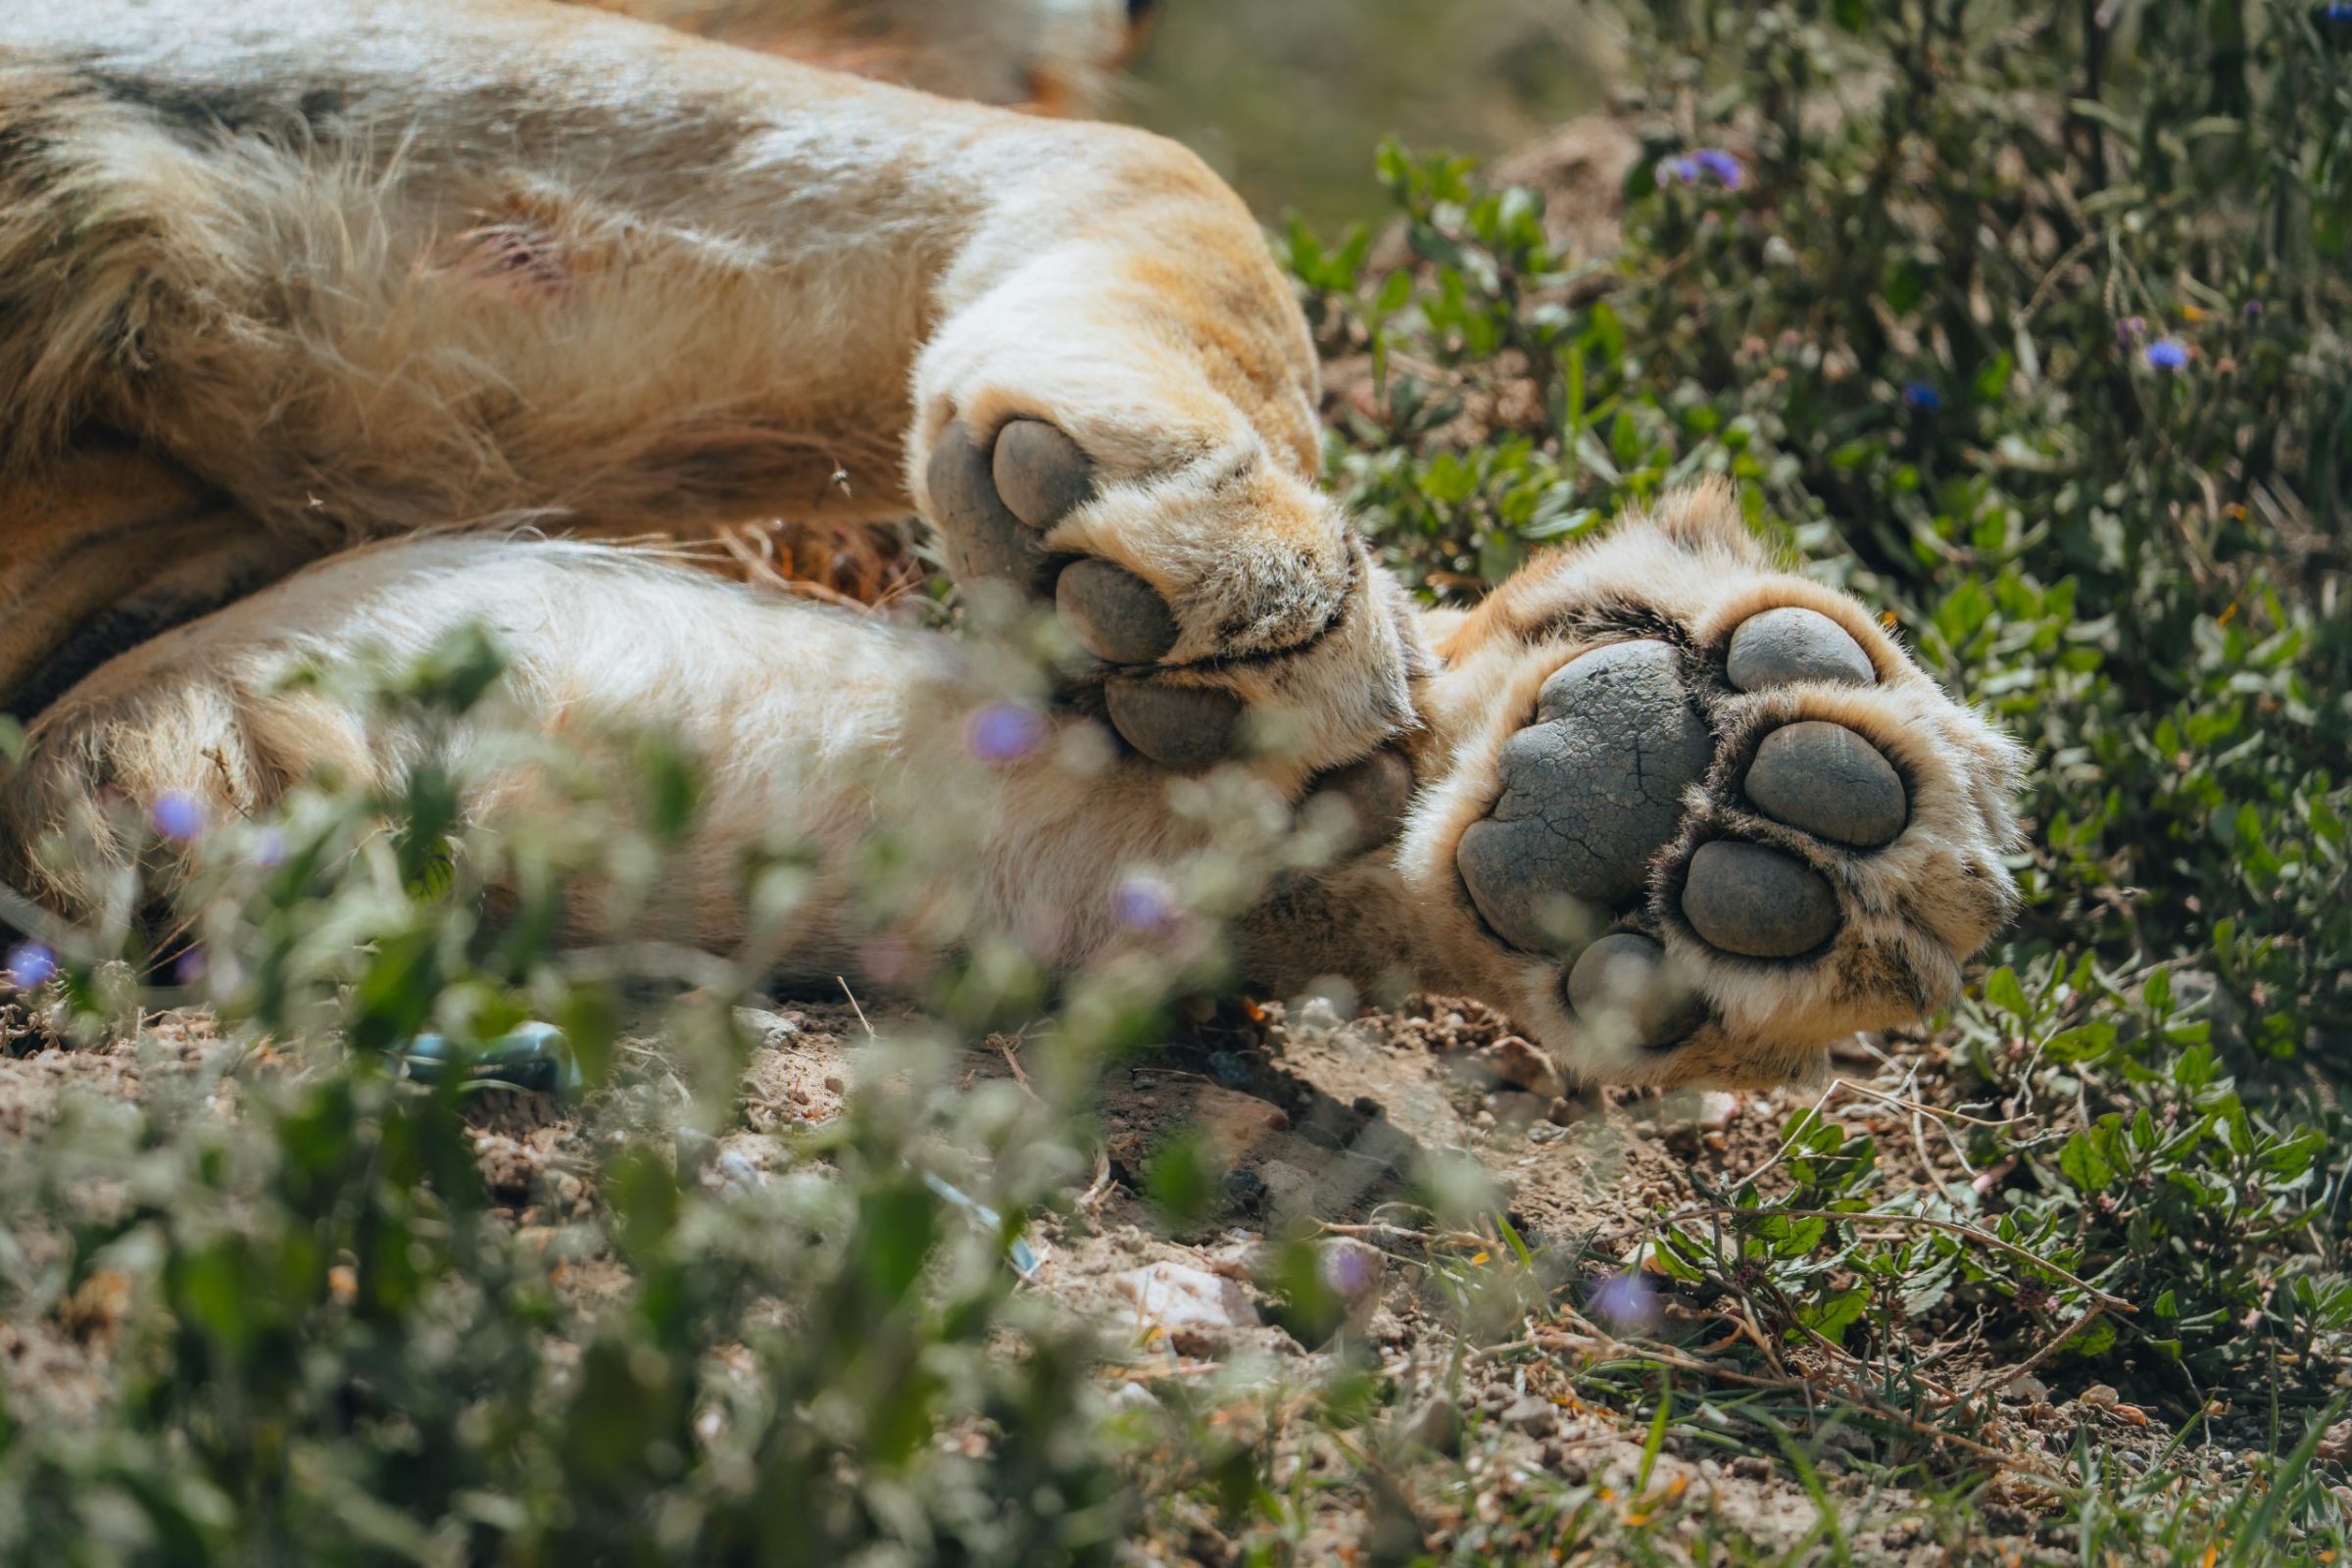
(2032, 334)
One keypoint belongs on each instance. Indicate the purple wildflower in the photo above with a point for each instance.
(2336, 13)
(191, 967)
(1722, 165)
(1005, 732)
(2167, 354)
(1627, 1302)
(1143, 903)
(30, 964)
(1705, 163)
(1920, 398)
(2129, 331)
(2254, 307)
(1349, 1269)
(177, 816)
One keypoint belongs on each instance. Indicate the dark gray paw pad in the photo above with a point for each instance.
(1826, 780)
(1756, 902)
(1040, 473)
(1783, 646)
(1624, 977)
(1117, 616)
(1181, 727)
(979, 535)
(1376, 791)
(1590, 792)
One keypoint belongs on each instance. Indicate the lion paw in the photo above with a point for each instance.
(1734, 822)
(1241, 620)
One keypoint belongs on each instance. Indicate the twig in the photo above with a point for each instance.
(853, 1008)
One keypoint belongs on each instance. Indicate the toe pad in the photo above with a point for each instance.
(1116, 614)
(1826, 780)
(1625, 976)
(1757, 902)
(1181, 727)
(1040, 473)
(1790, 644)
(980, 537)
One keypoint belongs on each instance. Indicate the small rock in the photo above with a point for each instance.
(770, 1029)
(2099, 1396)
(2027, 1390)
(1520, 1065)
(1530, 1415)
(1193, 1306)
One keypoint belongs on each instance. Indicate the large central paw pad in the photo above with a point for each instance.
(1743, 803)
(1588, 793)
(995, 508)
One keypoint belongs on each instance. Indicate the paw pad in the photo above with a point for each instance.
(1826, 780)
(1625, 976)
(1589, 791)
(1757, 902)
(1181, 727)
(1784, 646)
(994, 509)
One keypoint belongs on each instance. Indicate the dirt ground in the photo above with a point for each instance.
(1320, 1124)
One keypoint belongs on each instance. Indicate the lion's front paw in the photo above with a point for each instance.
(1226, 605)
(1734, 823)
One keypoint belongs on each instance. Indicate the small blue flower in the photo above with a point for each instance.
(1143, 903)
(1920, 398)
(177, 816)
(1627, 1301)
(2167, 354)
(270, 849)
(1707, 163)
(1005, 732)
(2336, 13)
(30, 964)
(1722, 165)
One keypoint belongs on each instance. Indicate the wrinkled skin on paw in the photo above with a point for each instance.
(1693, 819)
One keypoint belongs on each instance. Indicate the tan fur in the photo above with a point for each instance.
(1058, 56)
(367, 266)
(338, 271)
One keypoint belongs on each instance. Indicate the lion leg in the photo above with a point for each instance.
(368, 267)
(811, 727)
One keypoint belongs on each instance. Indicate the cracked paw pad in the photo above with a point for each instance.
(1590, 792)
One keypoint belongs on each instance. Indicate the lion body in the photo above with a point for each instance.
(317, 318)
